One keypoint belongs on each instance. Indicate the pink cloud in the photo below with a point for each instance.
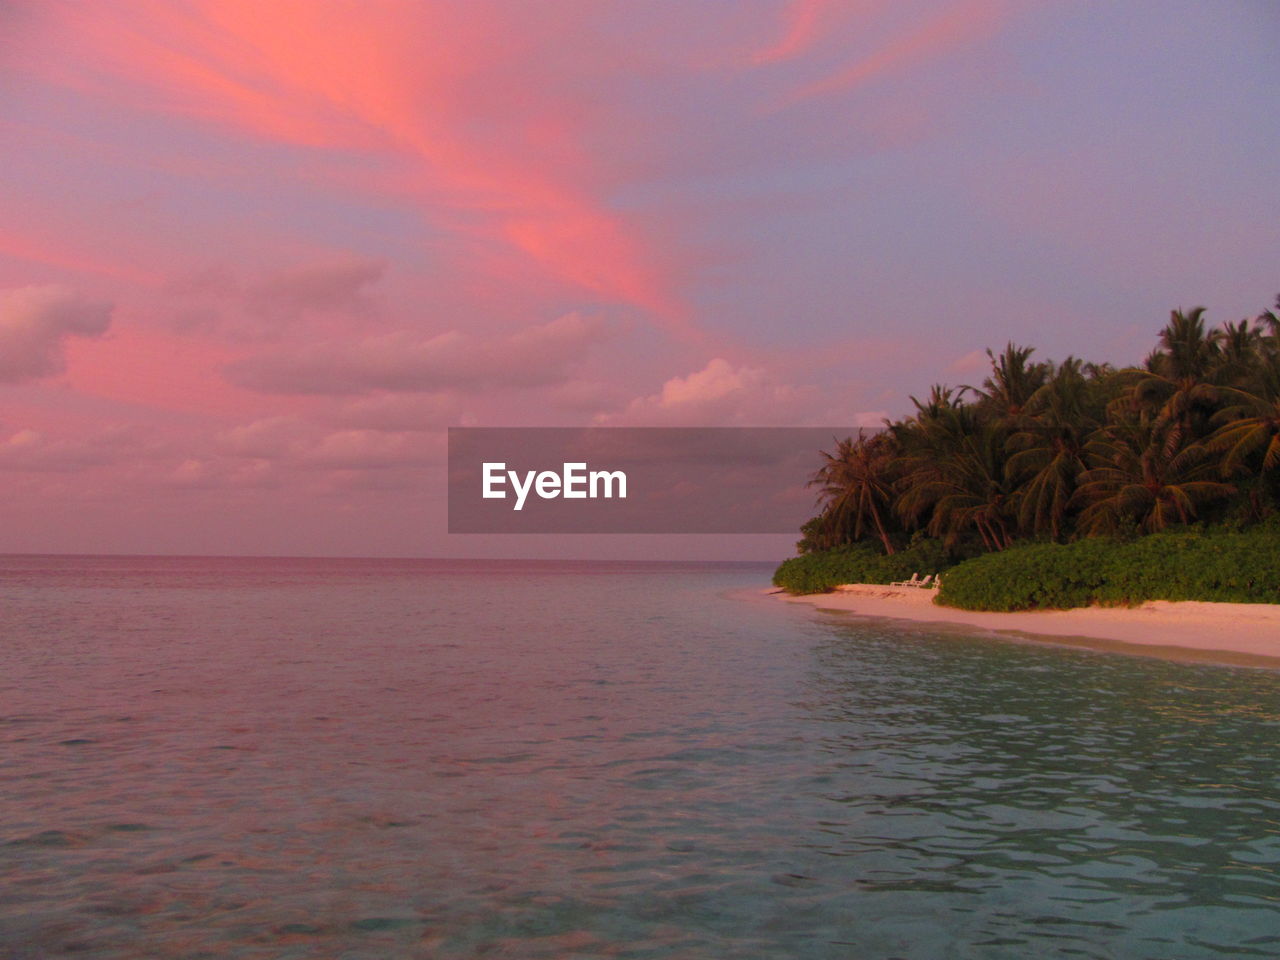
(32, 248)
(209, 474)
(956, 26)
(586, 395)
(38, 451)
(268, 439)
(540, 355)
(138, 364)
(809, 23)
(218, 300)
(337, 284)
(719, 394)
(435, 85)
(403, 412)
(290, 443)
(35, 322)
(801, 29)
(511, 160)
(750, 394)
(971, 362)
(373, 449)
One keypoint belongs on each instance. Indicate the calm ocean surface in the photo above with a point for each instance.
(333, 759)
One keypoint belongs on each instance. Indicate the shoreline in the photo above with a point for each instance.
(1244, 634)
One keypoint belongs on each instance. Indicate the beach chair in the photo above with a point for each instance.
(913, 582)
(937, 582)
(925, 581)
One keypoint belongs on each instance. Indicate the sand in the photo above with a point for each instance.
(1245, 633)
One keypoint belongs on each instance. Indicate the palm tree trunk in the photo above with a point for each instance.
(884, 537)
(986, 540)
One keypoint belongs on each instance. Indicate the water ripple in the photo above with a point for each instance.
(312, 759)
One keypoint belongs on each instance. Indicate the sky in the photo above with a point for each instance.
(255, 258)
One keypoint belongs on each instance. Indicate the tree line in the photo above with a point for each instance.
(1056, 452)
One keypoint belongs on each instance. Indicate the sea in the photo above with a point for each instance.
(305, 758)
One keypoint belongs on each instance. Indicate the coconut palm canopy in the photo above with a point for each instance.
(1057, 451)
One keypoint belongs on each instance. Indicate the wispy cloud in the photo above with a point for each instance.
(910, 42)
(436, 84)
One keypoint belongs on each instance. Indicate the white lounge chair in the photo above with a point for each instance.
(913, 582)
(925, 581)
(937, 582)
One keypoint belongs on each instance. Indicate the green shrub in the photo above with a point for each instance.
(858, 563)
(1043, 575)
(1191, 564)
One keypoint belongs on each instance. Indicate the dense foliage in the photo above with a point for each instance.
(857, 563)
(1057, 454)
(1184, 565)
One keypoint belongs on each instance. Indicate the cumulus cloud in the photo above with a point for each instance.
(720, 394)
(216, 300)
(34, 325)
(540, 355)
(327, 285)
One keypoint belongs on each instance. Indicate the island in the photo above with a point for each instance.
(1144, 500)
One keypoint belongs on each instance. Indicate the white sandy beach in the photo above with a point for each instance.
(1222, 632)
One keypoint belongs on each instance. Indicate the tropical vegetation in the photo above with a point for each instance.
(1192, 564)
(1066, 465)
(822, 570)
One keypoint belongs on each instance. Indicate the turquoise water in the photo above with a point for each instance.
(331, 759)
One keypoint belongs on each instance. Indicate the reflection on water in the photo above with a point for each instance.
(349, 759)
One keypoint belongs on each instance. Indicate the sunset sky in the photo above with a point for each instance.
(256, 256)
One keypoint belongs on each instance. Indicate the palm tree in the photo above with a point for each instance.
(1012, 383)
(1258, 432)
(941, 398)
(856, 487)
(1047, 453)
(1187, 351)
(1045, 450)
(1239, 346)
(1137, 477)
(1249, 425)
(1269, 320)
(953, 479)
(1178, 381)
